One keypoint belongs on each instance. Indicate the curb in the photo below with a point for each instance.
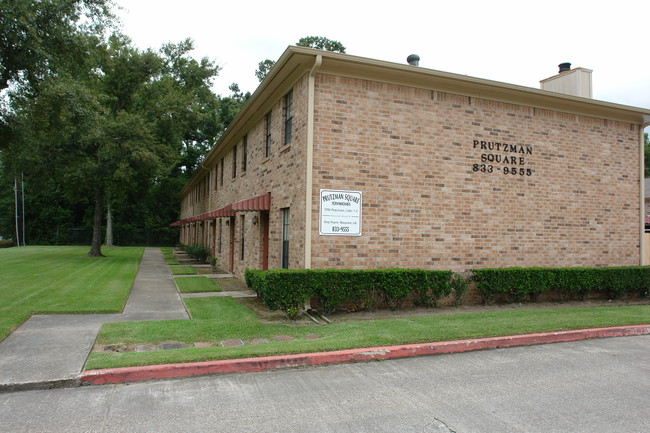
(169, 371)
(40, 386)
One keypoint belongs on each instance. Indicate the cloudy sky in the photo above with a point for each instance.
(517, 42)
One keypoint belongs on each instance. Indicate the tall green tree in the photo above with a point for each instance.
(41, 36)
(317, 42)
(121, 126)
(321, 43)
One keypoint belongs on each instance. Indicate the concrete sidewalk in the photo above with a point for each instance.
(49, 351)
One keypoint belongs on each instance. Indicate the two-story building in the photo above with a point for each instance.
(344, 161)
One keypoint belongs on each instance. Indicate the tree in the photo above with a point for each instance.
(263, 69)
(317, 42)
(321, 43)
(40, 36)
(118, 128)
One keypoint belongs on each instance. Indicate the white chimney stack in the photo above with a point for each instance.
(575, 82)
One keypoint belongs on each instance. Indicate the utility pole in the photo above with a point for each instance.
(16, 207)
(22, 199)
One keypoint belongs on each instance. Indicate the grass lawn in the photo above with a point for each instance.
(172, 261)
(196, 284)
(182, 270)
(216, 319)
(61, 279)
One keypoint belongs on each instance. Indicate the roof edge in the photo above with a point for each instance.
(297, 61)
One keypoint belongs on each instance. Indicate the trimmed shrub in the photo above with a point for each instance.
(620, 282)
(395, 285)
(6, 243)
(575, 281)
(288, 290)
(458, 286)
(333, 287)
(518, 283)
(285, 290)
(197, 252)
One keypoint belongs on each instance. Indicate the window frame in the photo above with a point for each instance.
(284, 254)
(267, 139)
(234, 161)
(244, 158)
(288, 117)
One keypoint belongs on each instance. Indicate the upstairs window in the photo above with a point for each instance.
(234, 161)
(244, 157)
(267, 139)
(221, 173)
(288, 116)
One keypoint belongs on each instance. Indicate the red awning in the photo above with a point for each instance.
(219, 213)
(261, 202)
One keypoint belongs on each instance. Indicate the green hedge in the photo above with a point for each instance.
(288, 290)
(6, 243)
(519, 283)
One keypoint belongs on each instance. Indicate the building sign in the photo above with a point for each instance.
(505, 158)
(340, 213)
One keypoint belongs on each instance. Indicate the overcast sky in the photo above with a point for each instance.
(518, 42)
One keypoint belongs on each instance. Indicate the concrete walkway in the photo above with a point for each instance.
(50, 350)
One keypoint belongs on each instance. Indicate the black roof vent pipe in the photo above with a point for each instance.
(413, 60)
(564, 67)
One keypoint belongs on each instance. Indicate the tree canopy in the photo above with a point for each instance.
(92, 121)
(41, 36)
(131, 119)
(321, 43)
(317, 42)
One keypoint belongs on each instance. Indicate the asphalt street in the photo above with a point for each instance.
(598, 385)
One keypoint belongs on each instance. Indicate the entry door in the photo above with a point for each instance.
(264, 234)
(232, 245)
(213, 241)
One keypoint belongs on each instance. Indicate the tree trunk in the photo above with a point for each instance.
(109, 226)
(96, 247)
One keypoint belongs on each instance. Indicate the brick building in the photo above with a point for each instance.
(343, 161)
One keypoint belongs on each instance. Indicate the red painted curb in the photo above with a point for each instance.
(167, 371)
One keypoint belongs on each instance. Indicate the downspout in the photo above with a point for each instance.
(309, 181)
(642, 249)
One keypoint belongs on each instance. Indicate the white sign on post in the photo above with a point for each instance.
(340, 213)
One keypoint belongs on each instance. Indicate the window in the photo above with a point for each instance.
(267, 141)
(221, 173)
(285, 238)
(216, 176)
(241, 218)
(288, 116)
(244, 157)
(234, 161)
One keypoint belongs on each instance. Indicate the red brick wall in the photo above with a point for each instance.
(411, 152)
